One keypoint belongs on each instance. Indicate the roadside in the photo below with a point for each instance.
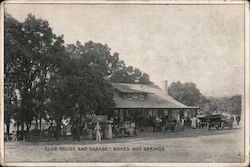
(199, 145)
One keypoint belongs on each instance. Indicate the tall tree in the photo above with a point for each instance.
(92, 91)
(12, 57)
(187, 93)
(30, 49)
(110, 64)
(129, 74)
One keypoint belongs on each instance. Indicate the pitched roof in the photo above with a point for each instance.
(130, 88)
(155, 98)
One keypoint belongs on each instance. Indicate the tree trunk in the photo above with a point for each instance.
(17, 125)
(58, 127)
(58, 132)
(27, 136)
(22, 126)
(27, 128)
(8, 128)
(36, 122)
(40, 124)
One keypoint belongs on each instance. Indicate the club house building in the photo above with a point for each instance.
(143, 103)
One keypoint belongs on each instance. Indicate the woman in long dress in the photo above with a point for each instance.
(109, 131)
(194, 122)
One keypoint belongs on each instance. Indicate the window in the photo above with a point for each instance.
(129, 96)
(135, 96)
(141, 97)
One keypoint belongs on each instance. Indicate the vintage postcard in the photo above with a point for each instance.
(124, 83)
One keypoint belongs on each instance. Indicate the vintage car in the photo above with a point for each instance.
(219, 121)
(126, 128)
(170, 126)
(227, 121)
(202, 120)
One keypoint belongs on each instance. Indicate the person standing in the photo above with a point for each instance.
(182, 124)
(14, 136)
(238, 121)
(198, 122)
(188, 121)
(78, 132)
(85, 129)
(98, 134)
(194, 122)
(109, 131)
(73, 131)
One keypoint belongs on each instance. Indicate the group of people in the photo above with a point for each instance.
(176, 124)
(165, 124)
(94, 130)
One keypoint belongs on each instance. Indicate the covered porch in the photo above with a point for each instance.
(145, 117)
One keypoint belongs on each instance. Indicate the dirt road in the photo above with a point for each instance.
(198, 145)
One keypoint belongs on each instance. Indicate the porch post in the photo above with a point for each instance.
(196, 111)
(181, 113)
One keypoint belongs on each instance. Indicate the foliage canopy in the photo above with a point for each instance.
(44, 79)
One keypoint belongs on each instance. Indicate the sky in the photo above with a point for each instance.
(203, 44)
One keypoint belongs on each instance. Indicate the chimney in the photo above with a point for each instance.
(165, 88)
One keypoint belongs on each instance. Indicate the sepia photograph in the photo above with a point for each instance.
(125, 83)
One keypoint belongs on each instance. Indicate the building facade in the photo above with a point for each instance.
(143, 103)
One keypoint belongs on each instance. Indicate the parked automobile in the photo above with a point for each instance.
(202, 120)
(227, 121)
(170, 126)
(126, 128)
(219, 121)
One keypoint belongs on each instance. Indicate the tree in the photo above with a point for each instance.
(92, 92)
(94, 68)
(236, 105)
(187, 93)
(45, 79)
(230, 105)
(41, 47)
(129, 74)
(30, 50)
(110, 64)
(13, 54)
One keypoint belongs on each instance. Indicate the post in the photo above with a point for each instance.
(196, 111)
